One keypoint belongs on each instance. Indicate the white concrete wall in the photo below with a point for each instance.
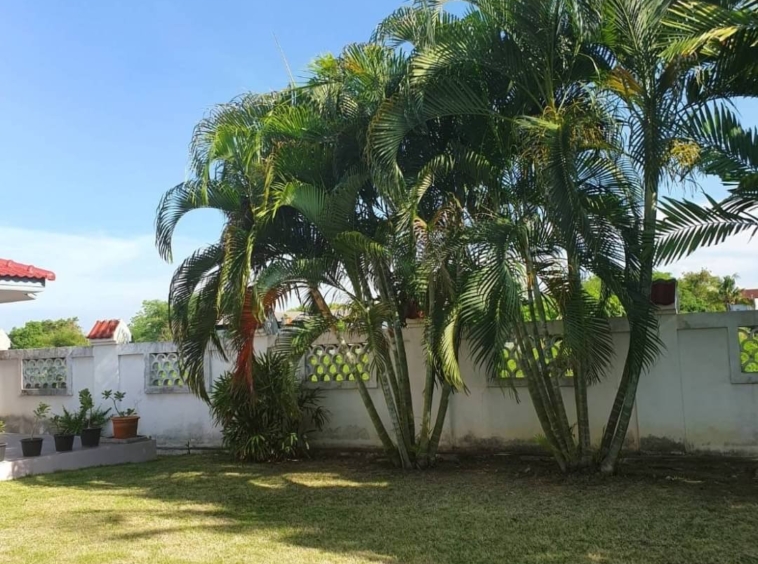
(15, 408)
(695, 397)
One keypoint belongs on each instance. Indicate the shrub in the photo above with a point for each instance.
(272, 421)
(92, 417)
(68, 423)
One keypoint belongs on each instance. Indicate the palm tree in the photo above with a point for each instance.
(668, 89)
(473, 178)
(211, 285)
(725, 35)
(303, 215)
(549, 80)
(729, 293)
(730, 152)
(522, 104)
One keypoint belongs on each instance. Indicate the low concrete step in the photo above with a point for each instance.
(108, 453)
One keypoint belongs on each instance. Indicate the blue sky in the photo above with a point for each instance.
(97, 104)
(98, 101)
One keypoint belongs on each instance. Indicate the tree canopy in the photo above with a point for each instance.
(48, 333)
(151, 322)
(703, 291)
(698, 292)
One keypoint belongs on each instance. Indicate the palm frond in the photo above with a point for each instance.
(688, 226)
(186, 197)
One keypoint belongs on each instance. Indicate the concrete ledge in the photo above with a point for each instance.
(104, 455)
(115, 441)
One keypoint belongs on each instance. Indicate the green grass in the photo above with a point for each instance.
(205, 509)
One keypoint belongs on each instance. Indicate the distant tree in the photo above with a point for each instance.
(151, 323)
(594, 287)
(698, 292)
(333, 306)
(48, 333)
(660, 275)
(613, 307)
(729, 293)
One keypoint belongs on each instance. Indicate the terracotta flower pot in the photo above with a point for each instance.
(31, 447)
(125, 427)
(663, 292)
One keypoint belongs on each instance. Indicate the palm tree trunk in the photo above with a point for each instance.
(539, 395)
(385, 377)
(626, 395)
(396, 394)
(426, 410)
(582, 417)
(434, 442)
(389, 447)
(621, 414)
(405, 459)
(552, 385)
(577, 365)
(403, 381)
(320, 302)
(426, 416)
(618, 402)
(557, 447)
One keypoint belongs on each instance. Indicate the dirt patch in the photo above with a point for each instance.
(661, 445)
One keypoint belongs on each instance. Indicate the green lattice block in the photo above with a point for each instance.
(337, 363)
(165, 371)
(512, 362)
(44, 373)
(748, 337)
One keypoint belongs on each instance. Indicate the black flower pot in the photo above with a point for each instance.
(91, 437)
(64, 443)
(31, 447)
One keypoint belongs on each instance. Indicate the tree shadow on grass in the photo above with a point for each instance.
(364, 512)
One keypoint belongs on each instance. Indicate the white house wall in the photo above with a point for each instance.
(694, 397)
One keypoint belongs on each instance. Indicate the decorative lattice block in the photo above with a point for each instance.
(748, 337)
(45, 374)
(512, 361)
(164, 371)
(338, 363)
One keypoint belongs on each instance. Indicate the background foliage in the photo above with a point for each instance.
(151, 322)
(48, 333)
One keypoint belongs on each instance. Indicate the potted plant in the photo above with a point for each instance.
(3, 444)
(93, 419)
(124, 422)
(67, 426)
(32, 446)
(663, 292)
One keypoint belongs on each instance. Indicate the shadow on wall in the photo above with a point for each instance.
(515, 510)
(22, 424)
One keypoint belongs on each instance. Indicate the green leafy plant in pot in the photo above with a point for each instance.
(125, 422)
(67, 426)
(3, 444)
(93, 419)
(32, 446)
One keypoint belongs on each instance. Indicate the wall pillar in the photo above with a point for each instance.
(105, 338)
(5, 342)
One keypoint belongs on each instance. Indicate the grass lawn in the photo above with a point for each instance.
(206, 509)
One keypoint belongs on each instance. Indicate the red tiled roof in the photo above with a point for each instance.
(750, 294)
(10, 269)
(105, 329)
